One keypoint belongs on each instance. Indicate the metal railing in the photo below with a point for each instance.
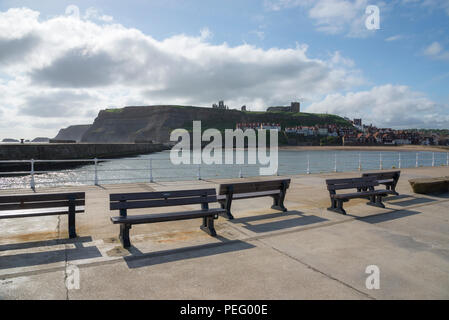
(96, 171)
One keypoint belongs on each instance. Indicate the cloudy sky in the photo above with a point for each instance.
(63, 61)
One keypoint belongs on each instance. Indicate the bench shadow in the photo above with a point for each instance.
(411, 200)
(137, 259)
(299, 220)
(388, 216)
(47, 257)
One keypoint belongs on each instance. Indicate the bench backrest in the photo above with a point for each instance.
(43, 200)
(248, 187)
(384, 175)
(123, 201)
(351, 183)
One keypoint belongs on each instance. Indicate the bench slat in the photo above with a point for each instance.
(351, 183)
(250, 195)
(161, 203)
(360, 194)
(41, 197)
(382, 175)
(37, 212)
(39, 205)
(161, 195)
(256, 186)
(171, 216)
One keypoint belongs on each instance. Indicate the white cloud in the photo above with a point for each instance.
(388, 106)
(394, 38)
(436, 51)
(430, 4)
(63, 64)
(63, 70)
(332, 16)
(93, 13)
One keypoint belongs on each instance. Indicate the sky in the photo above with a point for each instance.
(61, 62)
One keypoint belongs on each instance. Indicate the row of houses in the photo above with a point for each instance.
(357, 134)
(258, 125)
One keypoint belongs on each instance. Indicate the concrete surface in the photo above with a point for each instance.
(306, 253)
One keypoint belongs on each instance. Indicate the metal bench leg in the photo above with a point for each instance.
(124, 235)
(71, 218)
(72, 229)
(376, 201)
(208, 226)
(337, 206)
(393, 188)
(228, 206)
(278, 203)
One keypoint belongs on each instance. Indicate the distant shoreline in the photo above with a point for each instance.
(404, 148)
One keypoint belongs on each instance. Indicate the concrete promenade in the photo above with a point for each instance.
(306, 253)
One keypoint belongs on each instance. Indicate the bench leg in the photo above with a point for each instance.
(393, 188)
(227, 205)
(208, 226)
(124, 235)
(376, 201)
(337, 206)
(72, 229)
(278, 203)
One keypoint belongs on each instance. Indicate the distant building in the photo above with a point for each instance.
(243, 108)
(294, 107)
(258, 125)
(358, 124)
(220, 105)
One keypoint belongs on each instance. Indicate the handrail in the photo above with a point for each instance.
(337, 162)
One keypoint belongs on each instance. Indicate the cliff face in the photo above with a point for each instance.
(156, 122)
(72, 132)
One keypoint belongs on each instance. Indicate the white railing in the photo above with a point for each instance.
(96, 171)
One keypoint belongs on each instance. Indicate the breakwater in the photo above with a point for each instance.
(66, 151)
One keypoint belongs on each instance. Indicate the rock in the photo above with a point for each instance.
(155, 123)
(430, 185)
(40, 139)
(72, 132)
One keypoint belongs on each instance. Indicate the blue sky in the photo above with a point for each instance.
(319, 52)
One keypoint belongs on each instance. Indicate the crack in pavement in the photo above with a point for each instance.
(315, 269)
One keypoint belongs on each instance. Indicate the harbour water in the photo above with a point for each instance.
(158, 167)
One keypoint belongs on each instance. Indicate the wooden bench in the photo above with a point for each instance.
(126, 201)
(364, 189)
(389, 179)
(48, 204)
(245, 190)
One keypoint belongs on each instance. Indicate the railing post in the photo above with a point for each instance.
(151, 170)
(240, 172)
(447, 159)
(96, 172)
(199, 172)
(32, 182)
(399, 165)
(335, 162)
(360, 162)
(417, 159)
(380, 162)
(433, 159)
(308, 164)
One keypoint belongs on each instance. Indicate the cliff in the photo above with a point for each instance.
(156, 122)
(72, 132)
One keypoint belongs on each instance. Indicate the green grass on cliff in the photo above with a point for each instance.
(225, 119)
